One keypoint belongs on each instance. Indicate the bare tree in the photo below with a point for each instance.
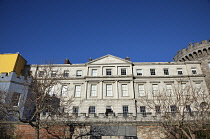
(183, 110)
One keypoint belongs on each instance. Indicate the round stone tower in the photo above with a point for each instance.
(197, 52)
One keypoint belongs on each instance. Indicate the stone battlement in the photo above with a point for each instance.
(193, 51)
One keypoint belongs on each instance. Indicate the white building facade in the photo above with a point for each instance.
(113, 86)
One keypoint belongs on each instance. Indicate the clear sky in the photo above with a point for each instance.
(144, 30)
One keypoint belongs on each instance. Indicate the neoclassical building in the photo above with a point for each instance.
(118, 86)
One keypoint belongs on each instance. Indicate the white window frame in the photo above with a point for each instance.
(152, 72)
(92, 109)
(166, 71)
(124, 88)
(139, 72)
(79, 73)
(53, 73)
(169, 90)
(123, 71)
(155, 89)
(109, 72)
(77, 92)
(66, 73)
(141, 90)
(93, 90)
(94, 72)
(64, 90)
(179, 71)
(109, 90)
(194, 70)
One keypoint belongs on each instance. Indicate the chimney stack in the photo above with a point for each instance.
(127, 58)
(67, 61)
(90, 59)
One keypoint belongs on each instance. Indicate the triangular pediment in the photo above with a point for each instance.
(109, 59)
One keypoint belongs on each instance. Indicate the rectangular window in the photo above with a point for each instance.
(108, 90)
(143, 111)
(64, 91)
(77, 92)
(51, 90)
(166, 72)
(179, 71)
(66, 73)
(93, 91)
(169, 89)
(41, 73)
(173, 110)
(194, 71)
(108, 72)
(141, 90)
(152, 71)
(92, 109)
(124, 90)
(75, 109)
(155, 89)
(157, 109)
(123, 71)
(94, 72)
(198, 88)
(184, 89)
(15, 99)
(125, 110)
(139, 72)
(53, 74)
(79, 73)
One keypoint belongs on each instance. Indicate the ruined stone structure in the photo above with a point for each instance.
(197, 52)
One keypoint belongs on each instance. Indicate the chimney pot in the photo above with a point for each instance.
(90, 59)
(67, 61)
(127, 58)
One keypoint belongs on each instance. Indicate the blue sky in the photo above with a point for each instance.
(144, 30)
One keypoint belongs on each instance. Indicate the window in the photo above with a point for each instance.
(53, 74)
(155, 89)
(157, 109)
(108, 72)
(188, 109)
(93, 90)
(79, 73)
(41, 73)
(169, 90)
(123, 71)
(66, 73)
(139, 71)
(166, 72)
(77, 91)
(209, 64)
(198, 88)
(64, 90)
(194, 71)
(152, 71)
(141, 90)
(94, 72)
(51, 90)
(173, 110)
(92, 109)
(143, 111)
(108, 110)
(15, 99)
(179, 71)
(183, 87)
(108, 90)
(75, 109)
(124, 90)
(125, 110)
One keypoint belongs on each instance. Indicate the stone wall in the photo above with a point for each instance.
(142, 131)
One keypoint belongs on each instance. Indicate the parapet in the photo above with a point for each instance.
(193, 52)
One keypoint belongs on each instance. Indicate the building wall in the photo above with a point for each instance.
(133, 99)
(12, 63)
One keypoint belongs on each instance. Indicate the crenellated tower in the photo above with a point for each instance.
(197, 52)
